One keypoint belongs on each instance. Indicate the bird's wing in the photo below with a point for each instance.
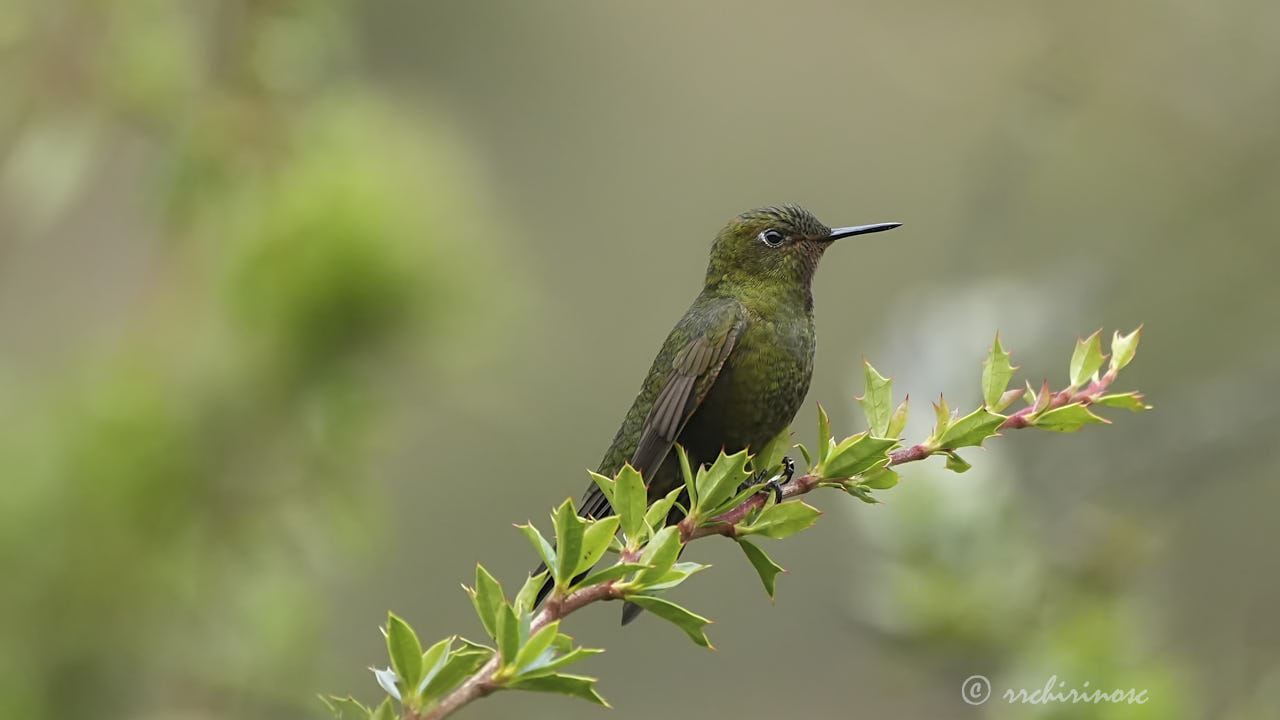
(697, 359)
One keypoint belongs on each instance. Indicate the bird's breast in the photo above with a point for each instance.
(759, 390)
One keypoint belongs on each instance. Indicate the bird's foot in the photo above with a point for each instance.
(774, 483)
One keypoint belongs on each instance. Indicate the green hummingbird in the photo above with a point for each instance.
(735, 369)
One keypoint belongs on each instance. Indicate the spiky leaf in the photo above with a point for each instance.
(1123, 348)
(880, 479)
(770, 456)
(765, 567)
(569, 533)
(405, 652)
(539, 543)
(898, 421)
(943, 415)
(346, 708)
(574, 685)
(528, 593)
(549, 663)
(459, 666)
(1067, 418)
(656, 516)
(856, 454)
(1086, 359)
(487, 598)
(687, 621)
(782, 520)
(690, 480)
(824, 434)
(1007, 399)
(971, 430)
(433, 659)
(955, 463)
(660, 554)
(632, 500)
(613, 572)
(595, 541)
(876, 400)
(1129, 401)
(996, 373)
(508, 634)
(720, 481)
(537, 644)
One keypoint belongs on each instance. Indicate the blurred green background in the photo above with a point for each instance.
(303, 303)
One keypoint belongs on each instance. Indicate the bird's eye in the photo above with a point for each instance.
(772, 238)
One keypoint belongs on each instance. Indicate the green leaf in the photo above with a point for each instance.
(690, 480)
(898, 421)
(595, 541)
(687, 621)
(459, 666)
(508, 634)
(765, 567)
(656, 516)
(996, 373)
(537, 644)
(770, 456)
(569, 533)
(678, 573)
(525, 598)
(605, 484)
(613, 572)
(487, 597)
(955, 463)
(385, 711)
(346, 708)
(433, 659)
(1029, 397)
(405, 652)
(720, 481)
(1129, 401)
(1067, 418)
(943, 414)
(880, 479)
(860, 492)
(660, 554)
(971, 430)
(804, 452)
(876, 400)
(782, 520)
(575, 685)
(1086, 359)
(632, 497)
(1043, 398)
(1007, 399)
(856, 454)
(824, 434)
(545, 551)
(549, 663)
(1123, 348)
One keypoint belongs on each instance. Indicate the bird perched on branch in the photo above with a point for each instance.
(735, 369)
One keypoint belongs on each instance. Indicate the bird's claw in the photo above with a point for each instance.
(775, 483)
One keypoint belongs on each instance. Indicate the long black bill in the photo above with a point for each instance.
(845, 232)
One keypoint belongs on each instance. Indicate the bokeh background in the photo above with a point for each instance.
(302, 304)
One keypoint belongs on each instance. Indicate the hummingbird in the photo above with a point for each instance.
(735, 369)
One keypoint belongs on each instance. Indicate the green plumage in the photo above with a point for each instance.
(757, 299)
(735, 369)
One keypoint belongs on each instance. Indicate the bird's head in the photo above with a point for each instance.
(775, 248)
